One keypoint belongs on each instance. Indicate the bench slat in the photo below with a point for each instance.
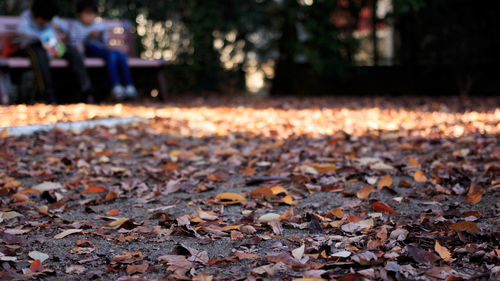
(89, 63)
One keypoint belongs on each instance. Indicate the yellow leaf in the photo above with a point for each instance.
(231, 198)
(386, 181)
(365, 192)
(289, 200)
(276, 190)
(413, 162)
(118, 222)
(420, 177)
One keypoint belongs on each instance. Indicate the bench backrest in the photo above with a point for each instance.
(121, 34)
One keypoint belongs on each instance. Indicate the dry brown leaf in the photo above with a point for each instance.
(325, 168)
(474, 198)
(465, 226)
(132, 269)
(262, 193)
(277, 190)
(386, 181)
(94, 189)
(413, 162)
(365, 192)
(230, 198)
(419, 176)
(442, 251)
(114, 212)
(118, 222)
(289, 200)
(67, 232)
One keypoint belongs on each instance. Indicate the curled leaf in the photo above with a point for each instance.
(230, 198)
(365, 192)
(382, 207)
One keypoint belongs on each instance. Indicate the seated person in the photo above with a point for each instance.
(91, 37)
(38, 30)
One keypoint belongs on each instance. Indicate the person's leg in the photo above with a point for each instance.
(111, 59)
(78, 71)
(124, 69)
(41, 68)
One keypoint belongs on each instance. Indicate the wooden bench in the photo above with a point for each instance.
(121, 37)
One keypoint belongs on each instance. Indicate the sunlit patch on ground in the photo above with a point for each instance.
(286, 117)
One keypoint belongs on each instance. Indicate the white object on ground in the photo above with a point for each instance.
(70, 126)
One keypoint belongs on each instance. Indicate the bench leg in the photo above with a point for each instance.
(4, 95)
(162, 85)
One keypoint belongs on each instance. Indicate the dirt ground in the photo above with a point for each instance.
(373, 189)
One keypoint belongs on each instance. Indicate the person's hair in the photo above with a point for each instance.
(84, 5)
(45, 9)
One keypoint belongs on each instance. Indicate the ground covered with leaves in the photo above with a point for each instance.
(255, 189)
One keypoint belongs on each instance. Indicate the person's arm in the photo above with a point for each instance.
(25, 28)
(60, 25)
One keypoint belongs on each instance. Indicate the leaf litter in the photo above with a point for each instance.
(283, 189)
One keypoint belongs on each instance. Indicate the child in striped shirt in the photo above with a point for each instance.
(91, 37)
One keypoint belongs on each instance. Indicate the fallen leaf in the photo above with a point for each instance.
(465, 226)
(442, 251)
(230, 198)
(118, 222)
(474, 198)
(269, 217)
(4, 133)
(114, 212)
(277, 190)
(132, 269)
(38, 256)
(386, 181)
(309, 279)
(36, 266)
(110, 196)
(67, 232)
(299, 252)
(262, 193)
(421, 256)
(47, 186)
(365, 192)
(413, 162)
(289, 200)
(325, 168)
(75, 269)
(382, 207)
(419, 176)
(94, 189)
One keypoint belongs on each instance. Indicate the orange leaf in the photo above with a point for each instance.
(325, 168)
(36, 266)
(365, 192)
(386, 181)
(230, 198)
(262, 192)
(278, 190)
(413, 162)
(132, 269)
(474, 198)
(420, 177)
(3, 133)
(289, 200)
(110, 196)
(465, 226)
(94, 189)
(381, 207)
(248, 171)
(442, 251)
(114, 212)
(337, 213)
